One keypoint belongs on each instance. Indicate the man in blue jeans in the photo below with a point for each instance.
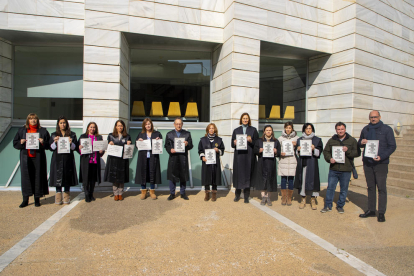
(340, 170)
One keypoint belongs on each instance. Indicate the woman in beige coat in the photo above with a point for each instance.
(287, 163)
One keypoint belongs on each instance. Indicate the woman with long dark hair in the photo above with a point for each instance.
(33, 163)
(62, 167)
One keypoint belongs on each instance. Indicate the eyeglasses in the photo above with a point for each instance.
(374, 117)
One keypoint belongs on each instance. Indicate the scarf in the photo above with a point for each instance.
(32, 129)
(211, 137)
(371, 130)
(92, 157)
(245, 128)
(291, 135)
(306, 137)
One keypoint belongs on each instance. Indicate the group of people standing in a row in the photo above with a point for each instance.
(250, 167)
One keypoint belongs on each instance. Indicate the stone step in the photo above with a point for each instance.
(400, 183)
(397, 190)
(407, 137)
(403, 153)
(401, 167)
(404, 142)
(401, 160)
(401, 175)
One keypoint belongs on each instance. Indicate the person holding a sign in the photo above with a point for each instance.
(244, 160)
(148, 164)
(287, 162)
(62, 167)
(307, 171)
(267, 149)
(339, 152)
(90, 161)
(178, 168)
(210, 148)
(33, 163)
(376, 169)
(117, 168)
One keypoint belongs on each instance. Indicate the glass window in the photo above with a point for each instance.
(178, 77)
(48, 81)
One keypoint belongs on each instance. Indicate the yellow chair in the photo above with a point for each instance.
(275, 112)
(262, 111)
(156, 110)
(289, 113)
(192, 110)
(138, 109)
(174, 110)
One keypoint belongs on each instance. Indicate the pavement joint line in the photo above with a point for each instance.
(339, 253)
(10, 255)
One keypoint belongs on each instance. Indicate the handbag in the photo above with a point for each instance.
(354, 171)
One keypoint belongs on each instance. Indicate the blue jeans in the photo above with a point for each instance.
(172, 187)
(287, 179)
(144, 186)
(333, 178)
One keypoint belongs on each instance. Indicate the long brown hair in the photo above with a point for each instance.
(146, 120)
(67, 130)
(289, 124)
(264, 134)
(31, 116)
(215, 129)
(241, 117)
(115, 132)
(96, 127)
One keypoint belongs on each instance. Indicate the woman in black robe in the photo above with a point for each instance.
(63, 167)
(148, 164)
(33, 163)
(307, 170)
(117, 168)
(244, 161)
(211, 174)
(265, 171)
(90, 163)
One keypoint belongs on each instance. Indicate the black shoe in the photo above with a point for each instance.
(171, 197)
(37, 202)
(246, 200)
(237, 198)
(87, 198)
(92, 198)
(184, 196)
(25, 202)
(381, 217)
(367, 214)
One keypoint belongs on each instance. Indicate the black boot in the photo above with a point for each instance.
(25, 202)
(87, 197)
(246, 195)
(37, 201)
(92, 188)
(238, 193)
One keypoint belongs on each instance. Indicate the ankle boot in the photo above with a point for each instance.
(207, 196)
(66, 197)
(313, 203)
(238, 193)
(269, 202)
(284, 197)
(302, 203)
(246, 195)
(143, 194)
(289, 197)
(58, 198)
(87, 197)
(152, 194)
(214, 195)
(25, 202)
(37, 201)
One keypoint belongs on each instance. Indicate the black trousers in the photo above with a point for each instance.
(376, 177)
(89, 186)
(246, 192)
(34, 175)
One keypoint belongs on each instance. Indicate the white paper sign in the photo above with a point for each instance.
(179, 145)
(100, 145)
(268, 149)
(210, 155)
(371, 148)
(305, 147)
(287, 148)
(128, 151)
(241, 143)
(114, 150)
(63, 145)
(157, 146)
(144, 144)
(86, 144)
(338, 154)
(32, 140)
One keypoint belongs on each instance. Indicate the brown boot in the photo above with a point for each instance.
(284, 200)
(152, 194)
(289, 197)
(66, 197)
(313, 203)
(214, 195)
(120, 197)
(302, 203)
(207, 196)
(116, 198)
(58, 198)
(143, 194)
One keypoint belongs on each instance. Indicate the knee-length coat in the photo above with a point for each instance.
(265, 176)
(211, 170)
(84, 162)
(117, 168)
(41, 167)
(178, 169)
(155, 168)
(244, 160)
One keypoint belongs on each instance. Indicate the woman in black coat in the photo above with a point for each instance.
(265, 171)
(33, 164)
(148, 164)
(211, 174)
(62, 167)
(117, 168)
(90, 163)
(244, 161)
(307, 170)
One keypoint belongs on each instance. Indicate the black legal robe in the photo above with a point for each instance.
(212, 170)
(178, 169)
(84, 162)
(117, 168)
(265, 173)
(244, 161)
(154, 169)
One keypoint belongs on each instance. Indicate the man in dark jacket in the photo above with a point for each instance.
(178, 168)
(339, 171)
(376, 169)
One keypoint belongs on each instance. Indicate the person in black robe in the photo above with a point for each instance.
(307, 170)
(63, 167)
(178, 168)
(244, 161)
(33, 163)
(211, 173)
(265, 171)
(90, 164)
(117, 168)
(148, 164)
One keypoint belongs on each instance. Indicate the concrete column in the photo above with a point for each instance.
(5, 85)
